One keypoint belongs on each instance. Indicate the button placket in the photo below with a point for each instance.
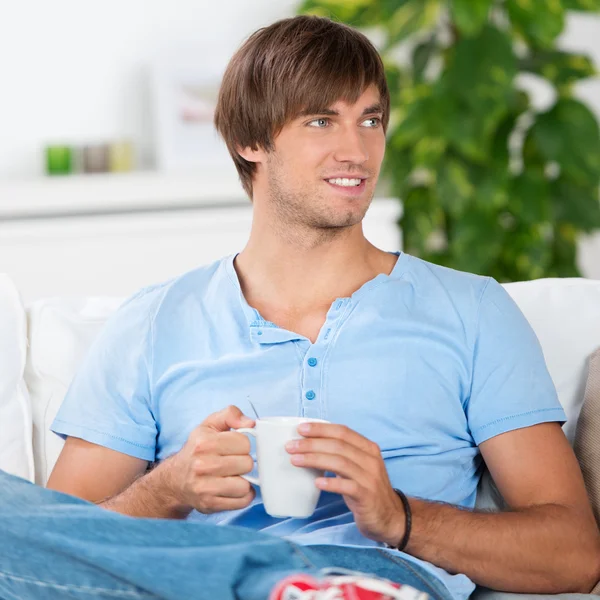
(311, 400)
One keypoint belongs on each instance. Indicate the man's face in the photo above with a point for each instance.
(324, 167)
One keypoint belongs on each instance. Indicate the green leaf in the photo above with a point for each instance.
(470, 16)
(582, 5)
(482, 67)
(454, 188)
(477, 241)
(529, 253)
(398, 166)
(568, 133)
(428, 151)
(470, 129)
(421, 55)
(540, 22)
(410, 17)
(340, 10)
(414, 117)
(529, 199)
(564, 248)
(491, 186)
(422, 217)
(500, 152)
(574, 204)
(560, 68)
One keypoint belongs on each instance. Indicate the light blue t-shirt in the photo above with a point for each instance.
(427, 362)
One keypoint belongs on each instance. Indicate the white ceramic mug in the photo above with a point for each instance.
(287, 490)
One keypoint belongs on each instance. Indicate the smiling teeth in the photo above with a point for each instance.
(346, 182)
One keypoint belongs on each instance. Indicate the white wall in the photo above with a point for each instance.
(77, 70)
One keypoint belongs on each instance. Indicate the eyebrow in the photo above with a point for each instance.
(370, 110)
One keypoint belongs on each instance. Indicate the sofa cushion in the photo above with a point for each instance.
(60, 333)
(16, 455)
(565, 315)
(587, 438)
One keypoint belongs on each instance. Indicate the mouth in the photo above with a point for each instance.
(348, 186)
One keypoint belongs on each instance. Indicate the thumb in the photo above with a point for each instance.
(228, 418)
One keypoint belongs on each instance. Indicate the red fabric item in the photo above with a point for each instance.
(355, 587)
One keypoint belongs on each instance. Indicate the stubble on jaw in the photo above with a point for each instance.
(296, 213)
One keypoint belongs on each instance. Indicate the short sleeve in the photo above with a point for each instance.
(109, 400)
(510, 387)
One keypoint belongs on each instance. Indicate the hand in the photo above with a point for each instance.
(361, 477)
(205, 473)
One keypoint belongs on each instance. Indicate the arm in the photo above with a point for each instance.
(111, 479)
(547, 543)
(203, 475)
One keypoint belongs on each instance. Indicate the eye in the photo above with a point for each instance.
(376, 121)
(320, 123)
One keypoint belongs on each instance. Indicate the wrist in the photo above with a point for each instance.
(402, 523)
(165, 483)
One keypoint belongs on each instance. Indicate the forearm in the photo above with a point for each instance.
(148, 496)
(543, 549)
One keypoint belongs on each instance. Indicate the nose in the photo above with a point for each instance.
(351, 147)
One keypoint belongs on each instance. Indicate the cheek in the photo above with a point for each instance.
(377, 150)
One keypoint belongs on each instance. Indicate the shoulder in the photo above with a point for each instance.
(445, 286)
(141, 309)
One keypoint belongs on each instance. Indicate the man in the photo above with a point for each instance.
(421, 370)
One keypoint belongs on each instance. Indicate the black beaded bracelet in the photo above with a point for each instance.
(404, 541)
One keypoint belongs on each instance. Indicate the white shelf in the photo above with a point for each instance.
(117, 192)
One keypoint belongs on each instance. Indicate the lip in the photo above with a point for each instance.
(355, 190)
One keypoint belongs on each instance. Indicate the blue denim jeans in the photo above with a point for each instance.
(55, 546)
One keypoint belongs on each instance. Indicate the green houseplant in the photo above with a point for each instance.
(489, 184)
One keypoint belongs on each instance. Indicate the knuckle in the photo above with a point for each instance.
(353, 487)
(201, 466)
(204, 445)
(339, 447)
(198, 489)
(243, 441)
(247, 464)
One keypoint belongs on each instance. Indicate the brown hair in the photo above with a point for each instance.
(302, 64)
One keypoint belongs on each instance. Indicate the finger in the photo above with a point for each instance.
(333, 446)
(228, 418)
(340, 432)
(340, 465)
(340, 485)
(226, 487)
(231, 442)
(223, 466)
(219, 504)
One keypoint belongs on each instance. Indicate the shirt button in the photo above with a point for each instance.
(312, 362)
(310, 395)
(259, 333)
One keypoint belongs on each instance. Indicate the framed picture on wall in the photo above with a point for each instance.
(184, 89)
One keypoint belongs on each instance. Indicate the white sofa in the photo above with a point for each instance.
(42, 344)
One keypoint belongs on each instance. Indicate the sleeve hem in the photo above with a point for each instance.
(141, 451)
(534, 417)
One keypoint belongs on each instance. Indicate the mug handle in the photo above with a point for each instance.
(252, 432)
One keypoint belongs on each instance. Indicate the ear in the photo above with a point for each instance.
(255, 156)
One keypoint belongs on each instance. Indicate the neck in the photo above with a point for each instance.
(307, 270)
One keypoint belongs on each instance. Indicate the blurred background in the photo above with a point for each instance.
(112, 177)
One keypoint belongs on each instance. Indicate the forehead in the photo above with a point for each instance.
(369, 97)
(368, 102)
